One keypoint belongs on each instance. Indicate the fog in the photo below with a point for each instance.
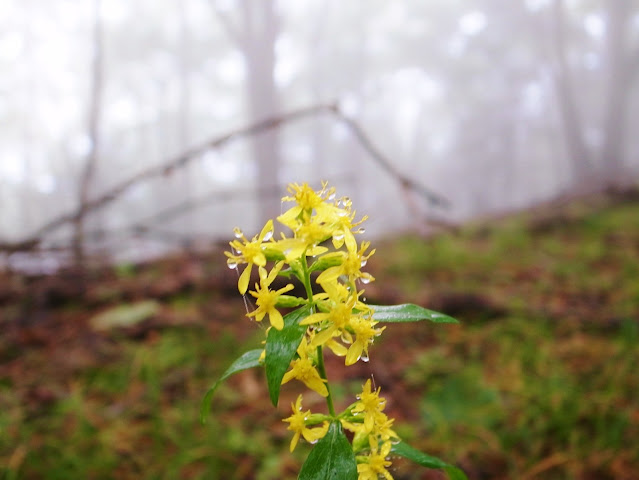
(131, 128)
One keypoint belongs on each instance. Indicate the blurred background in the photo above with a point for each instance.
(111, 110)
(492, 143)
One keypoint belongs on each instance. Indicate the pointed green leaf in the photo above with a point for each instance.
(404, 450)
(248, 360)
(408, 312)
(281, 346)
(331, 459)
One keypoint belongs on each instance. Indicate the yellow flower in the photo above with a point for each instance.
(333, 322)
(313, 233)
(370, 404)
(297, 424)
(352, 263)
(308, 201)
(375, 424)
(249, 252)
(365, 331)
(382, 427)
(302, 369)
(375, 464)
(267, 299)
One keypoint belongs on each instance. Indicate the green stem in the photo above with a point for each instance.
(322, 372)
(320, 352)
(307, 282)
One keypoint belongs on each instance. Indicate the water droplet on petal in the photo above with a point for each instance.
(238, 233)
(365, 280)
(268, 236)
(364, 358)
(338, 236)
(232, 264)
(363, 263)
(331, 197)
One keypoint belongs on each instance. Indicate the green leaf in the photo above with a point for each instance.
(404, 450)
(331, 459)
(281, 346)
(408, 312)
(248, 360)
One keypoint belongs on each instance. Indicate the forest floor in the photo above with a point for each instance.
(102, 377)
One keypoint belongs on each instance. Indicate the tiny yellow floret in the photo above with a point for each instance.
(249, 252)
(297, 424)
(266, 299)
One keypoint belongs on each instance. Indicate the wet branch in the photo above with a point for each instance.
(182, 160)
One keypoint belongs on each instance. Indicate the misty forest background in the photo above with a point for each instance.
(483, 109)
(492, 143)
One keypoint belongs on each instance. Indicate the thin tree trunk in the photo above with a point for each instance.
(618, 73)
(88, 172)
(184, 178)
(261, 27)
(580, 157)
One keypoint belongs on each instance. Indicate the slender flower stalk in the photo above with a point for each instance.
(322, 253)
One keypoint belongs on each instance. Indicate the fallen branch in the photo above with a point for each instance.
(186, 157)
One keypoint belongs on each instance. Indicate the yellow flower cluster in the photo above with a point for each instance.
(341, 321)
(298, 424)
(322, 243)
(373, 429)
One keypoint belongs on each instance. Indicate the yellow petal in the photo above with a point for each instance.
(324, 336)
(268, 227)
(313, 434)
(294, 440)
(289, 217)
(317, 385)
(260, 259)
(262, 273)
(288, 376)
(243, 282)
(314, 318)
(354, 353)
(276, 319)
(337, 348)
(329, 275)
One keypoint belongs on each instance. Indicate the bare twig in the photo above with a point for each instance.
(406, 182)
(180, 161)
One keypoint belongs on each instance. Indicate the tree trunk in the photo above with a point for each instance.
(261, 28)
(580, 157)
(185, 181)
(88, 172)
(618, 92)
